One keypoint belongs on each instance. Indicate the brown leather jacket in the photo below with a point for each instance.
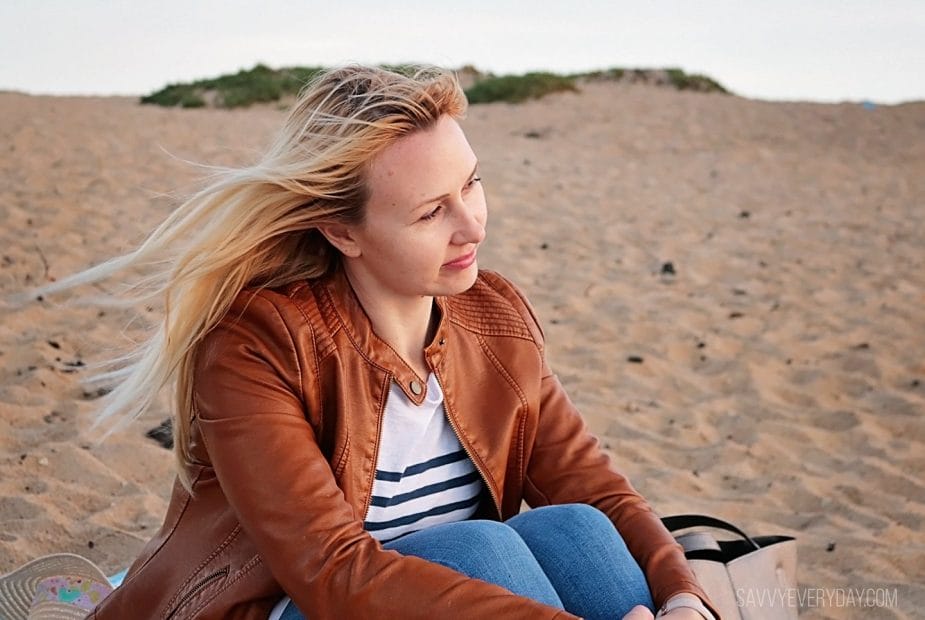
(289, 391)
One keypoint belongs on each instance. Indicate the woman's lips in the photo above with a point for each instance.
(462, 262)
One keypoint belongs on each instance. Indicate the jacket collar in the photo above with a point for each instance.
(359, 330)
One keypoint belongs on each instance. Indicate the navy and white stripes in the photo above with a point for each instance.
(423, 476)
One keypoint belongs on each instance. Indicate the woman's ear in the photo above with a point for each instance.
(341, 237)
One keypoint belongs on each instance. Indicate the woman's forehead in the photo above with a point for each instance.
(422, 165)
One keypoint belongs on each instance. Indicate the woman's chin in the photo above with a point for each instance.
(460, 280)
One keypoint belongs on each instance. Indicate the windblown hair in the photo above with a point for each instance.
(256, 227)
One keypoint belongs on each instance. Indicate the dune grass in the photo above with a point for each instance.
(694, 81)
(518, 88)
(248, 86)
(262, 84)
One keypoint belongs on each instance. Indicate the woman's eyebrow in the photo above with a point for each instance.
(430, 200)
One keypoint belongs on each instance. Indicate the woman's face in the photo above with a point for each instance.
(424, 220)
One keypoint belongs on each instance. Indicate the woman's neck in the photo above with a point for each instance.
(407, 324)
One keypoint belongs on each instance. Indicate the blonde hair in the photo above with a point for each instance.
(256, 226)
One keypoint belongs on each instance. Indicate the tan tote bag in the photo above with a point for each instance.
(747, 578)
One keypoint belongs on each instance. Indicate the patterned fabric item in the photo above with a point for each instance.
(77, 591)
(61, 586)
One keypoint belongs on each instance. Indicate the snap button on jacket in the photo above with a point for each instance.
(289, 393)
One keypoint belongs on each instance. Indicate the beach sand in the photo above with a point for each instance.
(772, 374)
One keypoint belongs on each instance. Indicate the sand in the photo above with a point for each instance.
(732, 293)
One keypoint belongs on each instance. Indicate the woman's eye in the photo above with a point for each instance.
(432, 214)
(473, 181)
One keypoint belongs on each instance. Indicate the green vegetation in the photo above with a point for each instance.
(614, 73)
(694, 81)
(673, 77)
(517, 88)
(263, 84)
(258, 85)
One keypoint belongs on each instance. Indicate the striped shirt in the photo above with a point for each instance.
(423, 475)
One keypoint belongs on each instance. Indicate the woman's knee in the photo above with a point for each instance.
(487, 538)
(575, 520)
(585, 559)
(576, 514)
(462, 544)
(572, 532)
(486, 550)
(484, 532)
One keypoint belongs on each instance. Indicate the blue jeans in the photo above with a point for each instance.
(568, 556)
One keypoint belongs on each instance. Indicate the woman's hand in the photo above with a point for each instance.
(683, 613)
(639, 612)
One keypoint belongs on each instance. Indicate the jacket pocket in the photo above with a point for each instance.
(211, 579)
(340, 460)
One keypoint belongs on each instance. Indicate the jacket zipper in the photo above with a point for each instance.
(222, 572)
(449, 417)
(372, 480)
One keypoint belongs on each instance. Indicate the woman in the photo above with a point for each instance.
(360, 412)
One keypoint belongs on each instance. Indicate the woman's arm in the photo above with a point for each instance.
(249, 406)
(566, 465)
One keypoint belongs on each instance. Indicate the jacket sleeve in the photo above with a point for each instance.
(566, 465)
(249, 405)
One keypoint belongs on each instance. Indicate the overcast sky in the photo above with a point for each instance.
(819, 50)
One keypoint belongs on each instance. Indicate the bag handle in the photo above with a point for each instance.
(683, 522)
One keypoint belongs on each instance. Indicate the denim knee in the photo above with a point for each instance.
(585, 559)
(575, 513)
(571, 516)
(481, 539)
(486, 550)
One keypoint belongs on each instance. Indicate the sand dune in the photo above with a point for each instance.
(778, 377)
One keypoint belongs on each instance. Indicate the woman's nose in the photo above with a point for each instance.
(470, 227)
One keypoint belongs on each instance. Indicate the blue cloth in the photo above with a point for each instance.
(568, 556)
(116, 580)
